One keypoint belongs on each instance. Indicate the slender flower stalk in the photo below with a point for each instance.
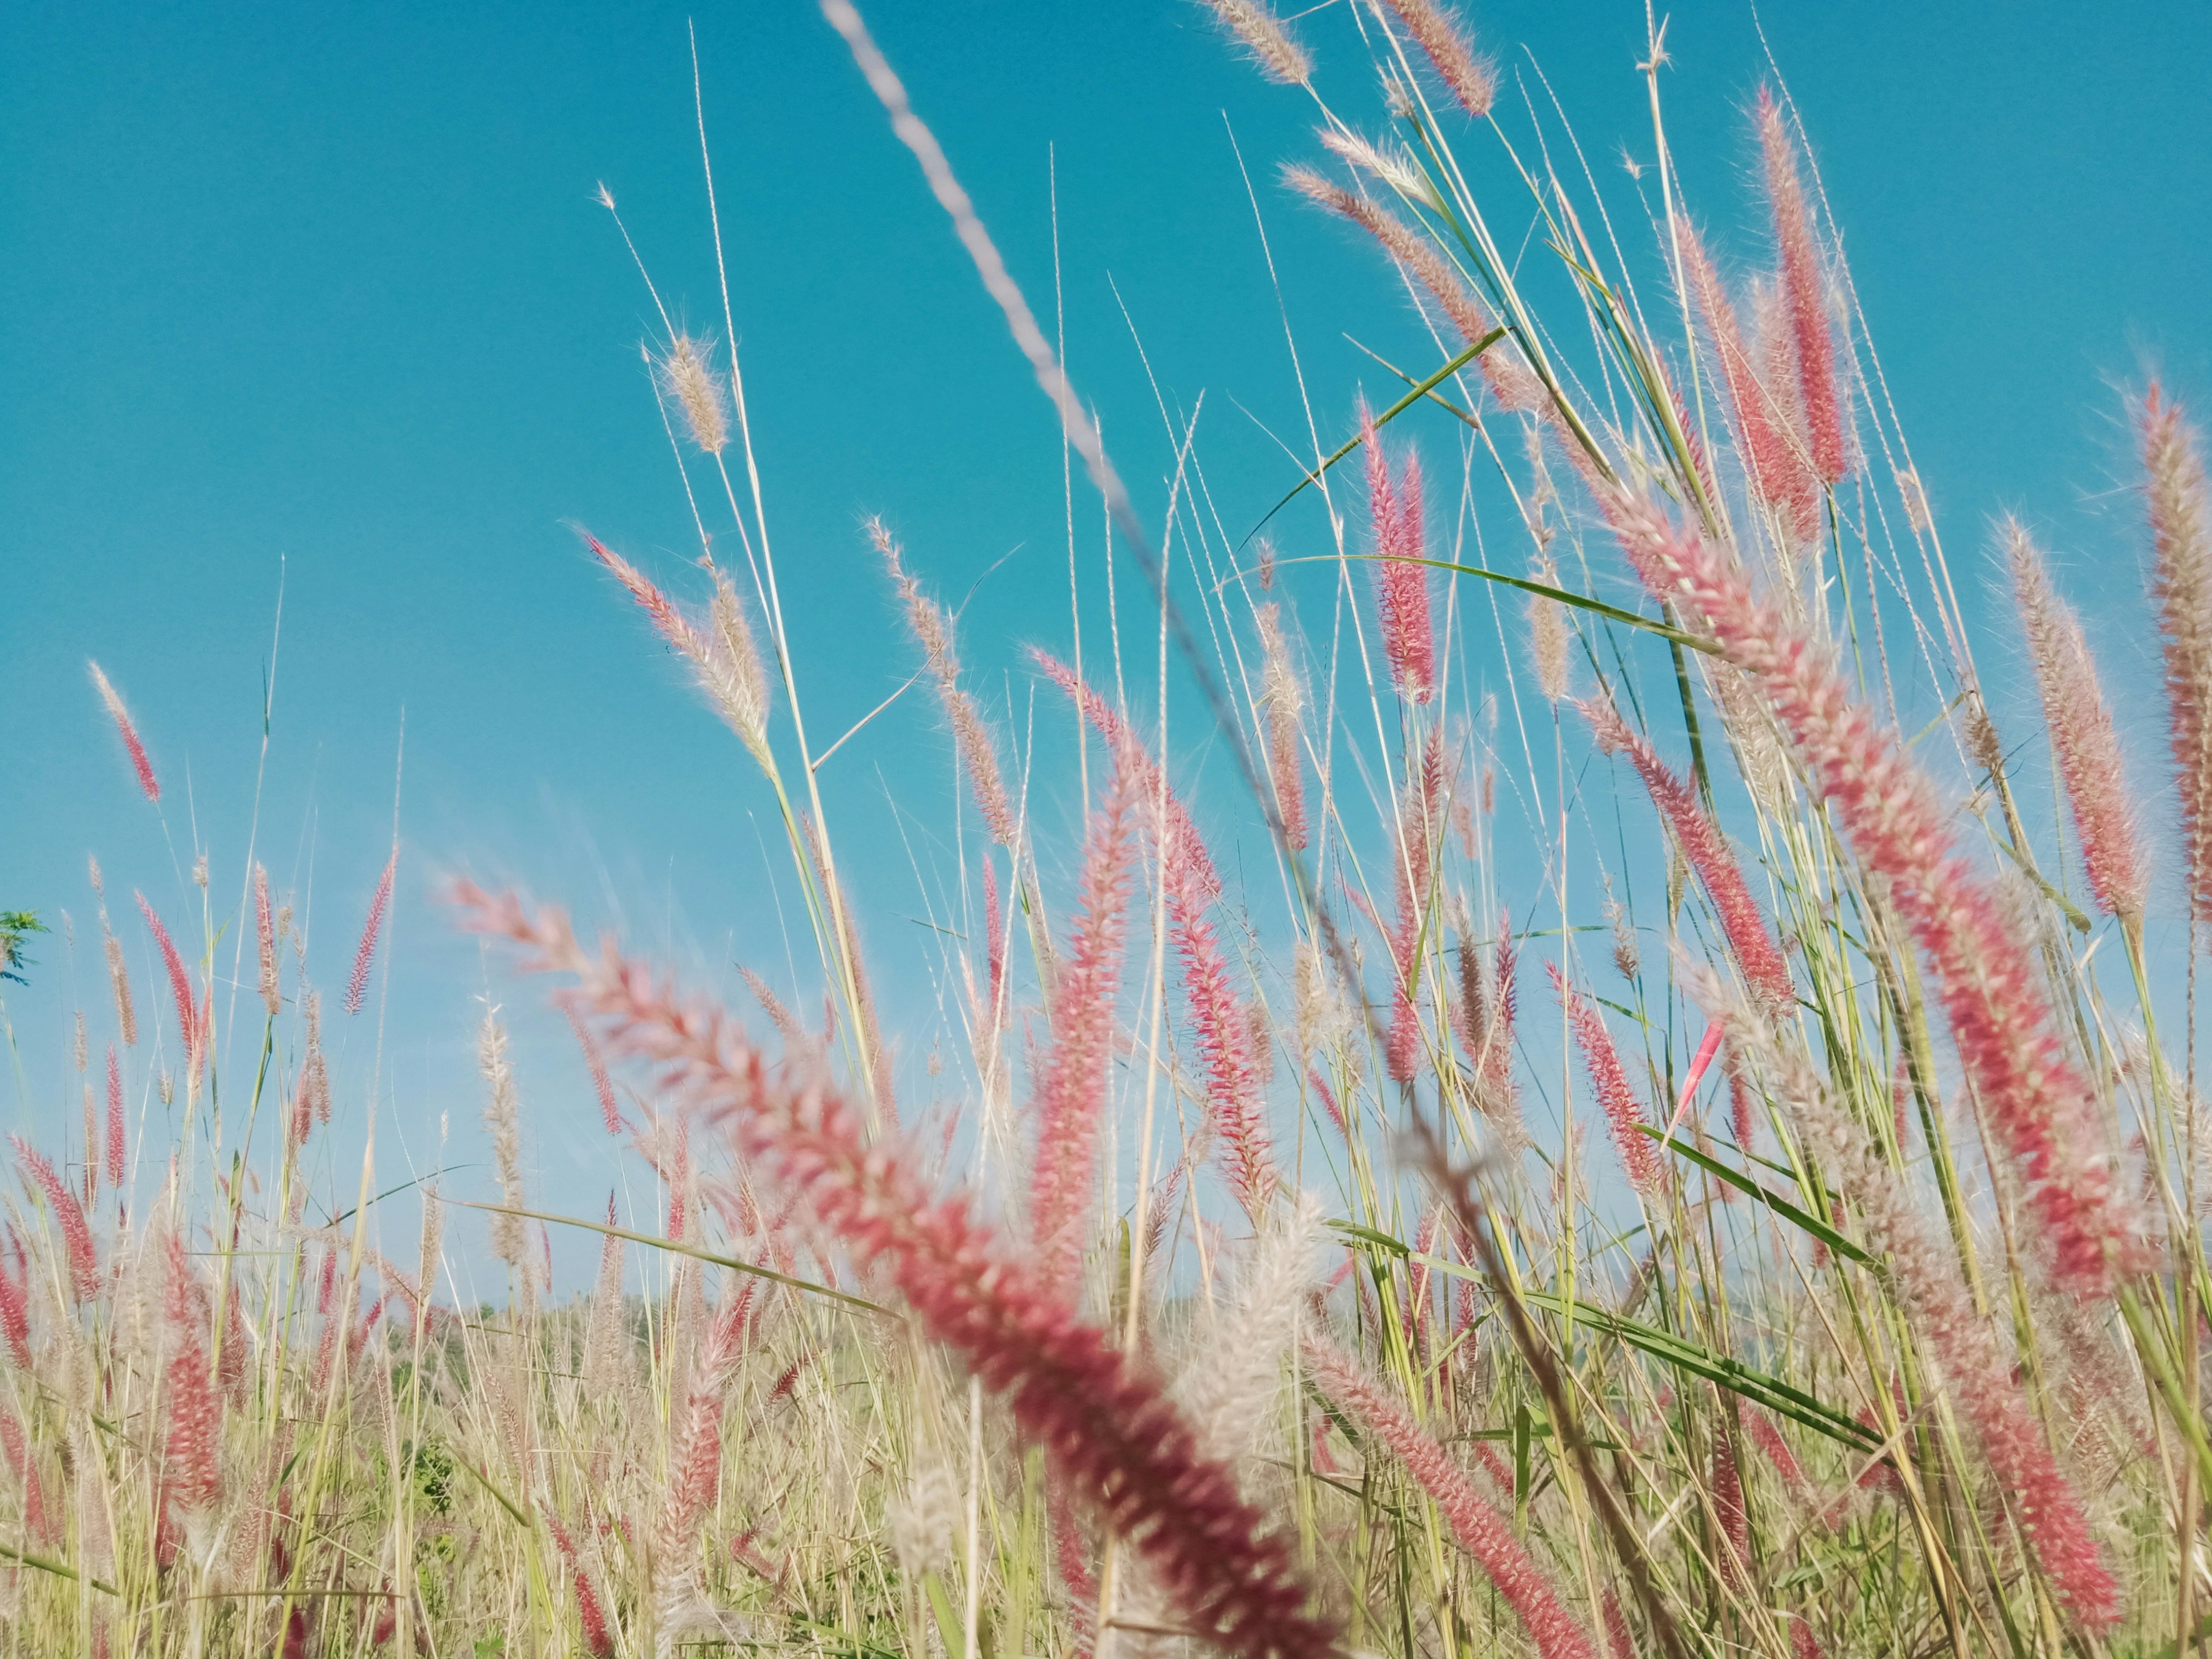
(1109, 1432)
(364, 957)
(121, 716)
(1481, 1531)
(2181, 586)
(1615, 1095)
(1805, 290)
(1927, 1282)
(2080, 725)
(1708, 852)
(1472, 80)
(2039, 1105)
(503, 1117)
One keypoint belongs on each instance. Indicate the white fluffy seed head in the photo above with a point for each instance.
(687, 377)
(923, 1520)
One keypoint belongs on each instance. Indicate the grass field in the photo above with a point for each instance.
(1777, 1232)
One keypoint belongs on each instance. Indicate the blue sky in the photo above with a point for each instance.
(327, 286)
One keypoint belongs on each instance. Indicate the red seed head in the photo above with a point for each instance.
(139, 762)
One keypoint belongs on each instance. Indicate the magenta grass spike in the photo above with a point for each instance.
(365, 955)
(2039, 1105)
(139, 762)
(191, 1476)
(1107, 1426)
(1805, 291)
(180, 987)
(1071, 1096)
(69, 1215)
(1481, 1531)
(16, 1299)
(1708, 852)
(1401, 582)
(1615, 1095)
(114, 1120)
(594, 1062)
(1192, 884)
(2180, 513)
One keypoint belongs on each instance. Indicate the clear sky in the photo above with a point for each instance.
(327, 286)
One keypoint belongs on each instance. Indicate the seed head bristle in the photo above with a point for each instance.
(1273, 46)
(686, 375)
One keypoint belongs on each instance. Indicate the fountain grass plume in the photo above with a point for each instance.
(1480, 1530)
(2042, 1108)
(1107, 1427)
(1708, 852)
(2082, 736)
(128, 730)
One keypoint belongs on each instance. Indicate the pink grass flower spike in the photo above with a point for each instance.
(1481, 1531)
(365, 956)
(1109, 1430)
(69, 1215)
(2041, 1108)
(116, 712)
(1402, 583)
(1804, 287)
(1610, 1079)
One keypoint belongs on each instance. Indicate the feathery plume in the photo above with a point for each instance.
(1488, 1003)
(23, 1463)
(503, 1116)
(1393, 167)
(1927, 1282)
(924, 1520)
(180, 988)
(1281, 699)
(1548, 632)
(590, 1616)
(1481, 1532)
(16, 1299)
(1273, 46)
(1773, 465)
(1610, 1079)
(933, 631)
(2081, 726)
(1728, 1510)
(121, 716)
(595, 1063)
(114, 1120)
(264, 932)
(1472, 80)
(1806, 291)
(1231, 1377)
(604, 1334)
(695, 1471)
(192, 1478)
(729, 668)
(119, 979)
(1072, 1092)
(2039, 1105)
(357, 982)
(1511, 380)
(69, 1215)
(2181, 586)
(686, 375)
(1402, 583)
(1109, 1431)
(1708, 852)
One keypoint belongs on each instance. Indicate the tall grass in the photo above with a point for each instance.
(1285, 1269)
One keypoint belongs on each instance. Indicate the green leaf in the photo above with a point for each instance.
(1369, 1235)
(1420, 391)
(1773, 1200)
(1734, 1374)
